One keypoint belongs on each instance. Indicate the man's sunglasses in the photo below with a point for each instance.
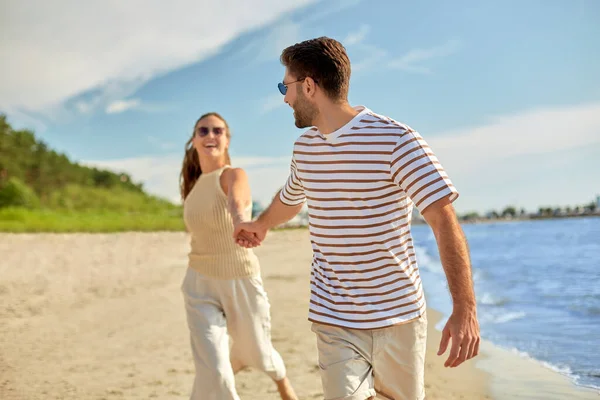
(203, 131)
(283, 87)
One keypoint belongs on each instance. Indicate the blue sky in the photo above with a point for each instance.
(506, 93)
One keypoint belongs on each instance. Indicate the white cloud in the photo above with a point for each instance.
(71, 46)
(268, 46)
(515, 159)
(369, 55)
(410, 61)
(542, 130)
(120, 106)
(356, 37)
(159, 175)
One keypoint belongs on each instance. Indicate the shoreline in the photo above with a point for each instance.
(511, 375)
(516, 377)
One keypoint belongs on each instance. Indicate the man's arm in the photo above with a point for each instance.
(276, 214)
(462, 325)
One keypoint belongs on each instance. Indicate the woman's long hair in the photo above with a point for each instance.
(190, 170)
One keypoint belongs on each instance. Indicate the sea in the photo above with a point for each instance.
(537, 284)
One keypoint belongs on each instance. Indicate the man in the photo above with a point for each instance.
(360, 174)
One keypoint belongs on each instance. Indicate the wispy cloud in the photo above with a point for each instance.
(329, 8)
(271, 102)
(120, 106)
(370, 56)
(357, 36)
(268, 46)
(495, 163)
(538, 131)
(112, 97)
(414, 59)
(58, 57)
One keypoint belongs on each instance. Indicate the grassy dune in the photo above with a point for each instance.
(19, 220)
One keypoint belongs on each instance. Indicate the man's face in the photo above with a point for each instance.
(305, 110)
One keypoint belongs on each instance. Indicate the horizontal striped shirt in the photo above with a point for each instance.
(360, 184)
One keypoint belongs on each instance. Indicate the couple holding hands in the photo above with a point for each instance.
(361, 174)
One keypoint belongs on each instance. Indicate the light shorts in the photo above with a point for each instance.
(389, 363)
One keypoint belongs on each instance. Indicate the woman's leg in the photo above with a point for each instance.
(249, 323)
(209, 340)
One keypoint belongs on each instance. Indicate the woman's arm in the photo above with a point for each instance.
(234, 182)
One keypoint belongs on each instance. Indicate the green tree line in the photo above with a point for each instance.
(34, 176)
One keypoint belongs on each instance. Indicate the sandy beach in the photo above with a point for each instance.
(100, 316)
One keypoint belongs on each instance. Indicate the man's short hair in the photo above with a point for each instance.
(322, 59)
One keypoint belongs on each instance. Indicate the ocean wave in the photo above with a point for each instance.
(478, 275)
(502, 317)
(489, 299)
(427, 262)
(592, 310)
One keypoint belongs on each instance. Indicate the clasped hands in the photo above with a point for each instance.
(249, 234)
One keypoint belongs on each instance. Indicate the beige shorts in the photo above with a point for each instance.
(388, 363)
(230, 328)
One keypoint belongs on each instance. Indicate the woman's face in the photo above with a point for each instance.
(210, 138)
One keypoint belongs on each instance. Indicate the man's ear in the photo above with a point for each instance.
(311, 86)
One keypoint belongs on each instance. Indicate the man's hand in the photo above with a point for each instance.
(462, 327)
(249, 234)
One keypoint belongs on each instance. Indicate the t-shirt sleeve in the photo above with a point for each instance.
(292, 193)
(416, 169)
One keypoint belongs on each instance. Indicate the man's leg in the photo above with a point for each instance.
(345, 362)
(399, 360)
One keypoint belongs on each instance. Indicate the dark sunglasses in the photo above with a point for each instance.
(283, 87)
(203, 131)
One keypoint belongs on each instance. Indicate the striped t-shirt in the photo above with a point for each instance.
(360, 183)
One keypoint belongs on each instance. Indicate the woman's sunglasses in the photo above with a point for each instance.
(203, 131)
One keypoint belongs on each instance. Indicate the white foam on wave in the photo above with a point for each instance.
(489, 299)
(502, 317)
(561, 369)
(428, 262)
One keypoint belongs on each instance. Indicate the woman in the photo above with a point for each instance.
(222, 289)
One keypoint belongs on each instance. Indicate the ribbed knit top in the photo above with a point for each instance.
(213, 250)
